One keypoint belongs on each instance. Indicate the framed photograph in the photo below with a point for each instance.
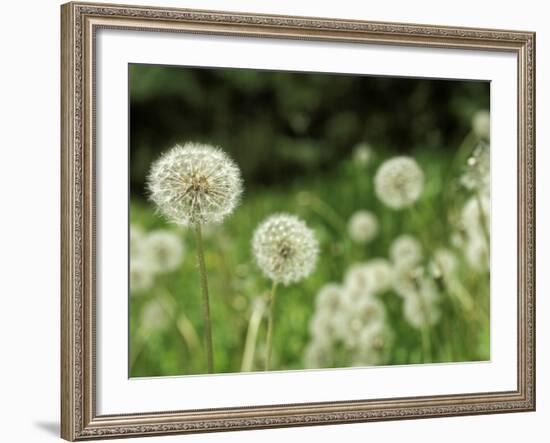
(283, 221)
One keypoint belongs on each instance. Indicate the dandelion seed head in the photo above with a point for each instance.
(381, 274)
(329, 298)
(357, 279)
(476, 176)
(474, 212)
(406, 280)
(376, 337)
(351, 297)
(318, 354)
(415, 282)
(443, 263)
(136, 242)
(164, 250)
(350, 322)
(420, 295)
(370, 346)
(457, 239)
(481, 124)
(368, 278)
(362, 154)
(419, 312)
(321, 325)
(285, 249)
(141, 276)
(153, 317)
(399, 182)
(136, 232)
(406, 251)
(476, 252)
(363, 227)
(195, 183)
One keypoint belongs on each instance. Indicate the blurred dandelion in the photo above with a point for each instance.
(406, 251)
(409, 282)
(195, 184)
(286, 252)
(363, 227)
(164, 250)
(475, 214)
(476, 253)
(476, 176)
(362, 154)
(136, 241)
(371, 344)
(322, 324)
(420, 301)
(380, 273)
(371, 277)
(481, 124)
(153, 317)
(476, 225)
(443, 263)
(357, 279)
(421, 310)
(318, 354)
(151, 253)
(141, 277)
(329, 297)
(443, 268)
(352, 320)
(399, 182)
(349, 321)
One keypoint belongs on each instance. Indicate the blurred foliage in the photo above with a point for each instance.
(290, 133)
(279, 125)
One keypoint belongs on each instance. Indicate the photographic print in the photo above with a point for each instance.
(294, 220)
(249, 196)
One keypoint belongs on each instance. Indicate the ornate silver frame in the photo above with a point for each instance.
(80, 21)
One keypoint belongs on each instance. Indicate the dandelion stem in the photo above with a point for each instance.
(463, 151)
(426, 344)
(188, 333)
(460, 157)
(483, 220)
(136, 350)
(425, 331)
(269, 338)
(182, 323)
(251, 337)
(206, 303)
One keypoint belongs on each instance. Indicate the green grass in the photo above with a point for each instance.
(235, 281)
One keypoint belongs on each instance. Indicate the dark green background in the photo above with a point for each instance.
(280, 125)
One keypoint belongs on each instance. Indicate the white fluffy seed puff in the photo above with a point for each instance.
(362, 227)
(164, 250)
(399, 182)
(481, 124)
(406, 251)
(141, 277)
(195, 183)
(285, 249)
